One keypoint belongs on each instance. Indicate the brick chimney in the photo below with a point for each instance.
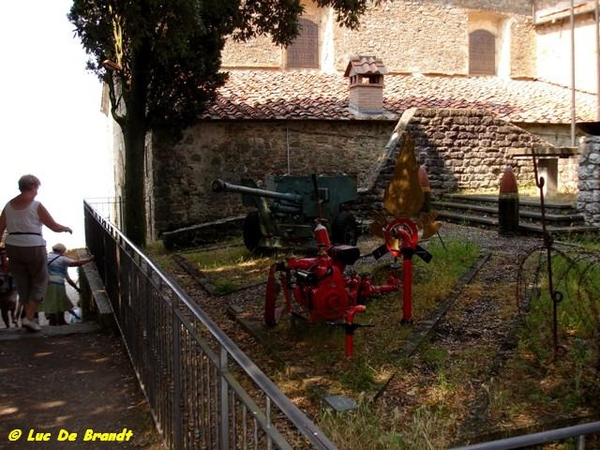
(366, 84)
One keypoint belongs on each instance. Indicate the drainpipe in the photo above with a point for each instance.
(598, 59)
(572, 73)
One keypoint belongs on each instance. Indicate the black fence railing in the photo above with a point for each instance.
(204, 392)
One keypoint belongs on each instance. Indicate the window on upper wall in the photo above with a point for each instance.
(482, 53)
(303, 53)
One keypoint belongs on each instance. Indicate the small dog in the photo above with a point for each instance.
(8, 299)
(8, 292)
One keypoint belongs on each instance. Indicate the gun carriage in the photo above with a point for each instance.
(286, 211)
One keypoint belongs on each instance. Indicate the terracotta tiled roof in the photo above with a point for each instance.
(264, 95)
(365, 65)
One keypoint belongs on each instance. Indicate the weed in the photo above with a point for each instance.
(434, 357)
(433, 390)
(369, 427)
(225, 287)
(229, 267)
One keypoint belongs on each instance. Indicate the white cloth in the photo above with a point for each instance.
(24, 221)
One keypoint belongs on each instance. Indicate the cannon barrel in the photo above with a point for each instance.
(222, 186)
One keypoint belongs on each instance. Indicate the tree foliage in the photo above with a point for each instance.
(161, 59)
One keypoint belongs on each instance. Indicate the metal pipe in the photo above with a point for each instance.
(535, 438)
(222, 186)
(573, 117)
(598, 59)
(224, 401)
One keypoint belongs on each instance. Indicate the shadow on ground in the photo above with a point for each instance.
(70, 387)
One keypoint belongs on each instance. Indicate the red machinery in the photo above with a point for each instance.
(326, 288)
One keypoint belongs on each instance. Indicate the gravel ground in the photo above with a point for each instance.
(473, 320)
(477, 319)
(474, 340)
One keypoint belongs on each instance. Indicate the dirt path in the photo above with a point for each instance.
(60, 383)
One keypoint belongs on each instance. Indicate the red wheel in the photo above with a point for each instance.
(400, 232)
(275, 299)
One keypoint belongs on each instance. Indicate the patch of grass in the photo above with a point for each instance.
(376, 359)
(588, 241)
(160, 256)
(363, 427)
(528, 192)
(435, 389)
(561, 380)
(228, 267)
(434, 357)
(372, 427)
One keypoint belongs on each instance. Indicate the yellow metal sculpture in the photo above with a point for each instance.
(404, 196)
(408, 194)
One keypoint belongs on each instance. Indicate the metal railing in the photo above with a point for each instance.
(578, 432)
(111, 208)
(204, 392)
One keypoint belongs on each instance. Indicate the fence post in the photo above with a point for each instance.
(224, 400)
(176, 401)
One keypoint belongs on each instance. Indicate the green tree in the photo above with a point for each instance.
(161, 59)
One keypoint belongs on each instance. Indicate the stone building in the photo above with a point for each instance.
(479, 81)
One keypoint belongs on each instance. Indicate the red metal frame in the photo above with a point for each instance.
(323, 288)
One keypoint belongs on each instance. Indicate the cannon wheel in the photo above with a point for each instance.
(252, 233)
(344, 229)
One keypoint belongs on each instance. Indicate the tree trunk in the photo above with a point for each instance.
(135, 148)
(135, 198)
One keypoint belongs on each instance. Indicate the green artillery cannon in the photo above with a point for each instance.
(287, 211)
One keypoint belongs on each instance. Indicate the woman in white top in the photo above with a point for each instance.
(23, 218)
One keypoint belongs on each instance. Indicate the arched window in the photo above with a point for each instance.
(303, 53)
(482, 53)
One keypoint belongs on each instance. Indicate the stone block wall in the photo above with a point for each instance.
(467, 149)
(410, 36)
(588, 197)
(183, 173)
(461, 149)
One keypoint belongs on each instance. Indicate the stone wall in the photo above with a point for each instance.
(467, 149)
(262, 53)
(559, 136)
(588, 197)
(411, 36)
(461, 149)
(183, 173)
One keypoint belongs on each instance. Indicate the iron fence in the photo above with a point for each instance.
(576, 432)
(110, 208)
(204, 392)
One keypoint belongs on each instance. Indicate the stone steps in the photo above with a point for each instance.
(561, 218)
